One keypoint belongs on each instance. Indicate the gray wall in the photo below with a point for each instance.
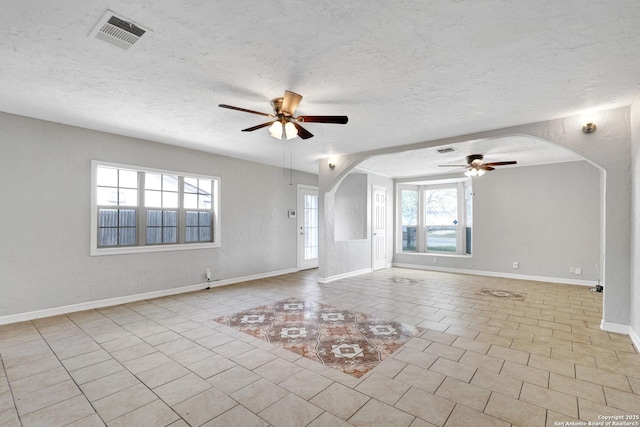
(45, 218)
(345, 257)
(635, 218)
(547, 218)
(609, 148)
(351, 208)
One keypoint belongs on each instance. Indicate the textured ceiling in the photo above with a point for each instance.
(404, 71)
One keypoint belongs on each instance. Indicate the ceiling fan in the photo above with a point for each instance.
(476, 167)
(285, 123)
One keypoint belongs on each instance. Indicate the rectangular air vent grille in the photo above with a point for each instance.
(118, 31)
(445, 150)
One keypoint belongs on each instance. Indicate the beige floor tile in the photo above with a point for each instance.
(133, 352)
(516, 412)
(146, 362)
(497, 383)
(73, 346)
(233, 348)
(38, 381)
(306, 384)
(340, 401)
(603, 377)
(592, 411)
(175, 346)
(517, 371)
(28, 369)
(467, 394)
(426, 406)
(504, 353)
(6, 401)
(193, 355)
(121, 343)
(635, 384)
(91, 421)
(453, 369)
(63, 413)
(237, 416)
(211, 366)
(446, 351)
(570, 356)
(533, 348)
(568, 369)
(482, 361)
(390, 367)
(9, 418)
(117, 404)
(110, 384)
(233, 379)
(181, 389)
(376, 413)
(162, 338)
(622, 400)
(421, 378)
(291, 411)
(46, 397)
(415, 357)
(385, 389)
(439, 337)
(578, 388)
(156, 413)
(328, 420)
(93, 372)
(279, 370)
(204, 406)
(473, 345)
(463, 416)
(259, 395)
(550, 399)
(253, 358)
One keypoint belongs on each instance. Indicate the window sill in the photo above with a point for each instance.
(439, 254)
(151, 248)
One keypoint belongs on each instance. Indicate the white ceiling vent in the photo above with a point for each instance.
(118, 31)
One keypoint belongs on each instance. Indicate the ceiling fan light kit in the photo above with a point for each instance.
(476, 167)
(285, 123)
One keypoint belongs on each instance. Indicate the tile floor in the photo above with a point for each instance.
(482, 360)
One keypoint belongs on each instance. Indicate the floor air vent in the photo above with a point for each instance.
(118, 31)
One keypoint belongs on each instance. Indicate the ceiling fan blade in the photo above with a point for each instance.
(486, 167)
(302, 132)
(231, 107)
(341, 120)
(263, 125)
(453, 166)
(290, 102)
(512, 162)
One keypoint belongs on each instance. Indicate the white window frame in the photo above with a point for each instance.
(420, 187)
(142, 247)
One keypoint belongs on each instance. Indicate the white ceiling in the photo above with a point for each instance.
(404, 72)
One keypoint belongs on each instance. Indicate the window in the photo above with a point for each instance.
(436, 217)
(138, 210)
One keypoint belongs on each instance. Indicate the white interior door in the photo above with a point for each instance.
(307, 228)
(378, 228)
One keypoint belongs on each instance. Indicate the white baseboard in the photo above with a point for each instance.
(499, 274)
(617, 328)
(635, 338)
(343, 275)
(56, 311)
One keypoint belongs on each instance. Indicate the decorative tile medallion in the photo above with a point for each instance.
(502, 294)
(352, 342)
(403, 280)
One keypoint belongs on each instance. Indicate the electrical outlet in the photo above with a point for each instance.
(572, 269)
(207, 272)
(516, 264)
(578, 270)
